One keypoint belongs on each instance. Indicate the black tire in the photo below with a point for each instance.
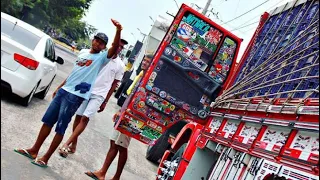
(26, 100)
(155, 152)
(43, 93)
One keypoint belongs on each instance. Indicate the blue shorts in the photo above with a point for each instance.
(61, 109)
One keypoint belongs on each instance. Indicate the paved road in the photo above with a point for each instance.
(20, 125)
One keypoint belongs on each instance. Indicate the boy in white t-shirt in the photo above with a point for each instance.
(104, 85)
(120, 142)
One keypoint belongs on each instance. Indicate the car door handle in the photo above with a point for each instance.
(48, 68)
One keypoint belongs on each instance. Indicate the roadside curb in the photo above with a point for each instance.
(64, 45)
(65, 49)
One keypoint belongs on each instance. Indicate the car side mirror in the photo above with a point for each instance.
(60, 60)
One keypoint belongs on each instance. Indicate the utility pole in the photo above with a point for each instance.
(134, 36)
(205, 9)
(143, 34)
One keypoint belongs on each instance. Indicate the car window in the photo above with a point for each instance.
(49, 51)
(19, 34)
(53, 50)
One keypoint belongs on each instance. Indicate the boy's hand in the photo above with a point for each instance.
(54, 93)
(102, 107)
(117, 24)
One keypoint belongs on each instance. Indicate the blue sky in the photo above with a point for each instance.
(133, 14)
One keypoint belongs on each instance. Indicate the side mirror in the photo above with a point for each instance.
(60, 60)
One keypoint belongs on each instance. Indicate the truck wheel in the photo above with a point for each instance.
(155, 152)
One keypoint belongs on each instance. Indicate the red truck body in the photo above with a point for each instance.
(266, 120)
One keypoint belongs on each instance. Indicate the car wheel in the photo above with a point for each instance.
(43, 93)
(25, 101)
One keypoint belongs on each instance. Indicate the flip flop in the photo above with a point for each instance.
(63, 152)
(39, 163)
(24, 153)
(93, 176)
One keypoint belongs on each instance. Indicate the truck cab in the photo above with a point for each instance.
(189, 69)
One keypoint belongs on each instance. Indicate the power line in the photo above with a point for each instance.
(220, 19)
(244, 26)
(246, 12)
(221, 2)
(176, 4)
(260, 14)
(248, 30)
(274, 5)
(235, 12)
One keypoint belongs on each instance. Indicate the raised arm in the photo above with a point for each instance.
(113, 49)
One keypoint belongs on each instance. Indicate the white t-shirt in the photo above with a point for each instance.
(113, 70)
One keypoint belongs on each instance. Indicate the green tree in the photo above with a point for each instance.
(77, 29)
(12, 7)
(64, 15)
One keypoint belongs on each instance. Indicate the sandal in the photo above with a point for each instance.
(92, 175)
(24, 152)
(63, 152)
(39, 163)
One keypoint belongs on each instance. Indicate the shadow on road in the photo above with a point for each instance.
(13, 99)
(23, 169)
(9, 97)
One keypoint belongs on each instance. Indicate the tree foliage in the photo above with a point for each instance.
(63, 15)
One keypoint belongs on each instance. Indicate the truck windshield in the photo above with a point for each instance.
(197, 40)
(222, 63)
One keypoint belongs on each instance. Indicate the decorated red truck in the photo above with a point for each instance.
(265, 121)
(189, 69)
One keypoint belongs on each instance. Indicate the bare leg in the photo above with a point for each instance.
(54, 145)
(112, 153)
(43, 134)
(123, 156)
(77, 131)
(76, 122)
